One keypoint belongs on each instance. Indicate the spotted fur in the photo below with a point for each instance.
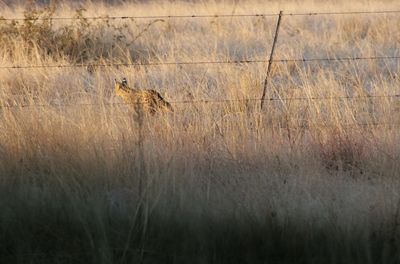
(149, 101)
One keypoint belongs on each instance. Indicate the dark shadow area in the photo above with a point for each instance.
(51, 234)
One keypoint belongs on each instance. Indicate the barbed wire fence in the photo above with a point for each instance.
(210, 101)
(238, 62)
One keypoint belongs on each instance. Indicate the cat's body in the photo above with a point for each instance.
(149, 101)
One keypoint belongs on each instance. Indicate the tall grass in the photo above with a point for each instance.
(311, 180)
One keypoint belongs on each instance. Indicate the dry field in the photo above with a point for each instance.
(312, 178)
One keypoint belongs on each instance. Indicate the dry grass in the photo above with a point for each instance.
(309, 181)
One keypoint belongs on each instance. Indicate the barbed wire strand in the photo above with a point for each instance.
(287, 99)
(217, 101)
(104, 17)
(307, 125)
(338, 59)
(344, 13)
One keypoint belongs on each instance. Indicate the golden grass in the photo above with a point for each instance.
(208, 169)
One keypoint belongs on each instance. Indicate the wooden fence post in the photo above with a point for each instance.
(271, 58)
